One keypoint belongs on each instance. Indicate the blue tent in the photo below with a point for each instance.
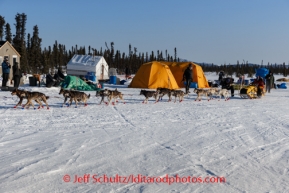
(262, 72)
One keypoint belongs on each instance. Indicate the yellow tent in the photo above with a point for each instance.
(178, 68)
(153, 75)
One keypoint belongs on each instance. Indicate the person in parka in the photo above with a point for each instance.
(6, 71)
(227, 83)
(188, 76)
(269, 81)
(259, 83)
(16, 75)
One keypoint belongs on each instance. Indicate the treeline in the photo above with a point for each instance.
(245, 68)
(34, 59)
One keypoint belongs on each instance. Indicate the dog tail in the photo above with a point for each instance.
(47, 97)
(88, 96)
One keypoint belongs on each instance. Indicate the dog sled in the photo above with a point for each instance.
(251, 92)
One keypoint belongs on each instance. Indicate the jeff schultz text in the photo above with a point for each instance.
(88, 178)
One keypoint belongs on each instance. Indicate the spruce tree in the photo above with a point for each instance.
(8, 36)
(55, 55)
(17, 37)
(60, 56)
(2, 24)
(23, 18)
(23, 50)
(152, 57)
(175, 55)
(35, 57)
(111, 54)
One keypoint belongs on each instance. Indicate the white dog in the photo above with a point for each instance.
(224, 93)
(213, 92)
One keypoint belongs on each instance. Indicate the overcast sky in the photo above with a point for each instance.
(213, 31)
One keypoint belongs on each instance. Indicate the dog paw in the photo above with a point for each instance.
(14, 107)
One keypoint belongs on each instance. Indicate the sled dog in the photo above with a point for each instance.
(178, 93)
(21, 94)
(148, 94)
(113, 94)
(200, 93)
(213, 92)
(102, 94)
(37, 96)
(224, 93)
(164, 91)
(77, 96)
(66, 95)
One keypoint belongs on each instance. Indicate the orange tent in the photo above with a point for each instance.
(178, 68)
(153, 75)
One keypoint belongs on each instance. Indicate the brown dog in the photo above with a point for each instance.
(78, 96)
(66, 95)
(179, 93)
(74, 95)
(113, 94)
(22, 94)
(37, 96)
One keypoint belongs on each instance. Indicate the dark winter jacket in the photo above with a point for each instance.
(5, 68)
(227, 82)
(188, 74)
(16, 70)
(269, 78)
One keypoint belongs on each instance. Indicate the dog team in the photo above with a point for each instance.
(113, 96)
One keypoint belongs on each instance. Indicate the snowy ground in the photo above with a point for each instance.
(245, 141)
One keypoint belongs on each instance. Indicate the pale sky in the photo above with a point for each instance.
(212, 31)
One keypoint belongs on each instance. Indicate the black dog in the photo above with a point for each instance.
(148, 94)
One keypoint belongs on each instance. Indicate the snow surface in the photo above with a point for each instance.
(246, 141)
